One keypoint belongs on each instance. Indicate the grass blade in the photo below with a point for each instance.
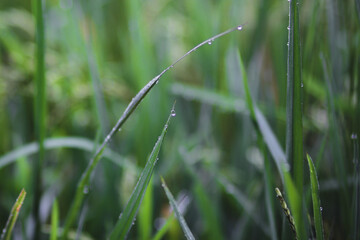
(316, 200)
(286, 211)
(40, 110)
(54, 221)
(165, 227)
(65, 142)
(356, 188)
(294, 127)
(6, 233)
(173, 204)
(127, 217)
(145, 215)
(75, 207)
(267, 172)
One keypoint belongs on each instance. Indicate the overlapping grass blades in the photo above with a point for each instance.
(294, 127)
(79, 195)
(316, 200)
(127, 217)
(267, 173)
(7, 231)
(40, 109)
(173, 204)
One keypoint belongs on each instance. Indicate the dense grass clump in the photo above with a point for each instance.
(86, 89)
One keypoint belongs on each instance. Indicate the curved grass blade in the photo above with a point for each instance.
(127, 217)
(65, 142)
(6, 233)
(54, 220)
(173, 204)
(316, 200)
(75, 207)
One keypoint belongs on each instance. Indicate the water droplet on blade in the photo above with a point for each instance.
(239, 28)
(173, 113)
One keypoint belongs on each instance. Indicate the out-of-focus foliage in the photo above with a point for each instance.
(99, 54)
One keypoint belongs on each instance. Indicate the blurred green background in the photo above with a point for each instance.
(99, 54)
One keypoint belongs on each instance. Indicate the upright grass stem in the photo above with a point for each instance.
(294, 138)
(40, 110)
(84, 181)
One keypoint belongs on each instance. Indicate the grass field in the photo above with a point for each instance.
(157, 119)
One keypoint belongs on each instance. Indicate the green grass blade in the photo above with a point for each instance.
(165, 227)
(84, 181)
(294, 127)
(145, 216)
(356, 188)
(66, 142)
(40, 110)
(7, 231)
(267, 172)
(173, 204)
(54, 220)
(316, 200)
(127, 217)
(208, 211)
(287, 211)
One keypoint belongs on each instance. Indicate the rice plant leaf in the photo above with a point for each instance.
(316, 200)
(294, 127)
(54, 220)
(127, 217)
(173, 204)
(7, 231)
(84, 181)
